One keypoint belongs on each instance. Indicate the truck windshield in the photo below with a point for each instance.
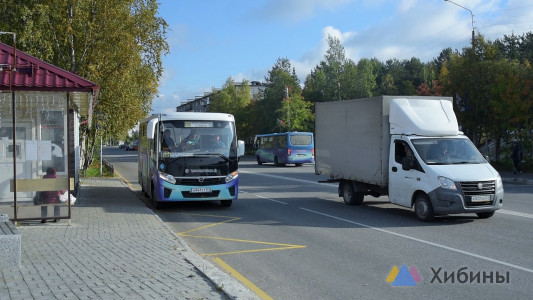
(447, 151)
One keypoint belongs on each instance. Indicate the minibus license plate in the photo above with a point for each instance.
(201, 190)
(480, 198)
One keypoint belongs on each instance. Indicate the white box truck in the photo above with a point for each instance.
(409, 148)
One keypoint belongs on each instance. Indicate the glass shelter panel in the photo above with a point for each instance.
(35, 150)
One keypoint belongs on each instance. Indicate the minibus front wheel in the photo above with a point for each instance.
(157, 204)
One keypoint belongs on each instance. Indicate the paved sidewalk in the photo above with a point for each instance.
(116, 248)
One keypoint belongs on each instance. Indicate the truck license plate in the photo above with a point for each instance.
(201, 190)
(480, 198)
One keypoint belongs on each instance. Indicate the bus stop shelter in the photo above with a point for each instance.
(41, 109)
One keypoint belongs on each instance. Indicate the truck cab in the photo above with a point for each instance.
(442, 175)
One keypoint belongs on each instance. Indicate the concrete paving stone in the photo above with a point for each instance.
(115, 248)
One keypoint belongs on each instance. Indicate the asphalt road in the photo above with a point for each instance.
(290, 237)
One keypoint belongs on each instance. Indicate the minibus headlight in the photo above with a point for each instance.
(447, 183)
(232, 176)
(167, 177)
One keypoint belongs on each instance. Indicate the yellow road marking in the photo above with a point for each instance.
(231, 219)
(251, 251)
(283, 246)
(243, 279)
(277, 246)
(237, 240)
(209, 225)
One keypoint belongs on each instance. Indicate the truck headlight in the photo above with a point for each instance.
(499, 183)
(167, 177)
(447, 183)
(232, 176)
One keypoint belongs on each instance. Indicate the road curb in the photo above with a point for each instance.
(229, 285)
(233, 288)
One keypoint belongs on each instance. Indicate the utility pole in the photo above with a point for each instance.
(288, 108)
(472, 14)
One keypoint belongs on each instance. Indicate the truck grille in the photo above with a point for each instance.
(478, 189)
(200, 181)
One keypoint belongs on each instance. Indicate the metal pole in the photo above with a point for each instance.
(67, 153)
(471, 13)
(14, 134)
(101, 156)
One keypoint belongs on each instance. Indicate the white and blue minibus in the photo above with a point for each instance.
(189, 156)
(285, 148)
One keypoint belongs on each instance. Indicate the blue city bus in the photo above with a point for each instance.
(285, 148)
(189, 156)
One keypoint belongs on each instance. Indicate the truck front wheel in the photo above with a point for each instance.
(350, 196)
(423, 208)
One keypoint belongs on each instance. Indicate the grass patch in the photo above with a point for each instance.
(94, 170)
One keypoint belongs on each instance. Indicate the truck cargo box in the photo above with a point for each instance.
(352, 137)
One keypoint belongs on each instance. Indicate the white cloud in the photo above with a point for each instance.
(418, 30)
(406, 5)
(292, 11)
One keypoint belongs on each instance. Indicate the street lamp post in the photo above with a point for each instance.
(472, 14)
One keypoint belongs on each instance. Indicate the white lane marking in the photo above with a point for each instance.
(424, 241)
(270, 199)
(333, 185)
(514, 213)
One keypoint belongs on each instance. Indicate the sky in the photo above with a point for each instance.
(213, 40)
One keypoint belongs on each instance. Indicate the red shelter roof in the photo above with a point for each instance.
(32, 74)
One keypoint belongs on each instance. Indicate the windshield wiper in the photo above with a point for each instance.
(436, 163)
(214, 154)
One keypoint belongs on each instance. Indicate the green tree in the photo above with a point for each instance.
(493, 95)
(296, 114)
(337, 78)
(324, 83)
(358, 80)
(333, 68)
(118, 44)
(314, 86)
(387, 85)
(512, 102)
(234, 100)
(280, 82)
